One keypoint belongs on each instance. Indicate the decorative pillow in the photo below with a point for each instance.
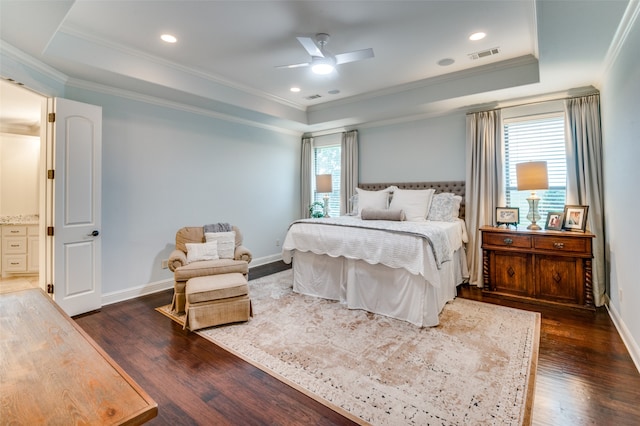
(445, 207)
(382, 214)
(226, 243)
(202, 251)
(414, 202)
(374, 199)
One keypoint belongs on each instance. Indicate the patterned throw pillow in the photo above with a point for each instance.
(445, 207)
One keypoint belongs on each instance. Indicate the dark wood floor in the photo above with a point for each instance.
(585, 375)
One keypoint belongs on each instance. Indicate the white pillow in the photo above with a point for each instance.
(226, 243)
(374, 199)
(414, 202)
(202, 251)
(445, 207)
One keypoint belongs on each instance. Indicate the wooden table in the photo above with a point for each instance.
(52, 372)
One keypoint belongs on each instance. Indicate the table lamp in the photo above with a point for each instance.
(323, 185)
(532, 176)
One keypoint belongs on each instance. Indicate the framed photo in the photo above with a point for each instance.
(507, 216)
(554, 221)
(575, 218)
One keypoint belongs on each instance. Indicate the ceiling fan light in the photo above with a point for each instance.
(322, 68)
(323, 65)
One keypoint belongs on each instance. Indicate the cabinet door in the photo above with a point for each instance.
(511, 273)
(559, 279)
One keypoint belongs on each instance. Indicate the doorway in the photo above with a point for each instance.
(21, 194)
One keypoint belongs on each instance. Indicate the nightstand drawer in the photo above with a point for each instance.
(506, 240)
(569, 244)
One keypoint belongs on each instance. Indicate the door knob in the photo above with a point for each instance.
(95, 233)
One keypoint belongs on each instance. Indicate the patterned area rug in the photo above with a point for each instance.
(477, 367)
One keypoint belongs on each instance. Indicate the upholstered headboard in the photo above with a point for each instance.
(456, 187)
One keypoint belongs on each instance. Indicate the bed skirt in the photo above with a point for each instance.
(395, 293)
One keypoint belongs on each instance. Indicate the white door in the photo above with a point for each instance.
(77, 159)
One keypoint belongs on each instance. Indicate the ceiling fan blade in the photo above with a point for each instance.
(356, 55)
(304, 64)
(310, 46)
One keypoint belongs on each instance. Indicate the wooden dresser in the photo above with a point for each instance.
(551, 267)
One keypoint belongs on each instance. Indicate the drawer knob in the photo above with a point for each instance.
(558, 245)
(508, 241)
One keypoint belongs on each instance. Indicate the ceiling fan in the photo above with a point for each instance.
(322, 61)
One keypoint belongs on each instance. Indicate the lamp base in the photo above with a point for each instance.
(326, 205)
(533, 214)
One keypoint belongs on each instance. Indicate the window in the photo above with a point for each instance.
(536, 138)
(327, 160)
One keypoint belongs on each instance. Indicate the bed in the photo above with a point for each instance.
(404, 269)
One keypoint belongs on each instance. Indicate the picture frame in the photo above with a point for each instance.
(507, 216)
(554, 221)
(575, 218)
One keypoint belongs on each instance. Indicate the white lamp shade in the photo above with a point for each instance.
(532, 175)
(323, 183)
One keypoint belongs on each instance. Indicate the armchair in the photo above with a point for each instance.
(183, 270)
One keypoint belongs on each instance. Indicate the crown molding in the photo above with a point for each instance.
(627, 22)
(24, 59)
(162, 102)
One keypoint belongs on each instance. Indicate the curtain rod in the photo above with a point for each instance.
(561, 98)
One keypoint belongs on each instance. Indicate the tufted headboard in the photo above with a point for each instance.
(456, 187)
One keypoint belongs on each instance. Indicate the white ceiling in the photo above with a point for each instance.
(227, 51)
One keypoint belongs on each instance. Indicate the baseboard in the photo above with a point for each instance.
(627, 338)
(265, 260)
(143, 290)
(132, 293)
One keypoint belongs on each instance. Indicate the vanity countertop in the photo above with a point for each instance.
(21, 219)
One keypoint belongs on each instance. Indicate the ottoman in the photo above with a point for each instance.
(216, 299)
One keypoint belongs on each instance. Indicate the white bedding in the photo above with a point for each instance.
(406, 270)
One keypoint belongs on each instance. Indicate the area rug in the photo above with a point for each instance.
(477, 367)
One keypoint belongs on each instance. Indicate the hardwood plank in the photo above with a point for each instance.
(53, 373)
(585, 375)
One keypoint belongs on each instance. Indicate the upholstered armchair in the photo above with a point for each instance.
(183, 270)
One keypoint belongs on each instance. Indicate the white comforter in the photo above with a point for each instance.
(414, 246)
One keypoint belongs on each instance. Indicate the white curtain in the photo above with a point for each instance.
(306, 171)
(349, 167)
(585, 186)
(484, 182)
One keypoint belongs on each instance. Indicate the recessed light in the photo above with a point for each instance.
(295, 89)
(168, 38)
(477, 36)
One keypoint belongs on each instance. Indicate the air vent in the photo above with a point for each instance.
(484, 53)
(312, 97)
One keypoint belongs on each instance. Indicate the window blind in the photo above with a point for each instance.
(536, 138)
(327, 160)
